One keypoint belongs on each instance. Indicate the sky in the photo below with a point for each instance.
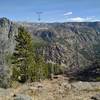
(52, 10)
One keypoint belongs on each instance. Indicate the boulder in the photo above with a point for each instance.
(85, 85)
(22, 97)
(96, 97)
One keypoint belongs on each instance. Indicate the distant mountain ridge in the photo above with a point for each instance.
(64, 35)
(70, 44)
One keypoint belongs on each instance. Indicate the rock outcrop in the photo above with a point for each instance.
(96, 97)
(7, 42)
(72, 45)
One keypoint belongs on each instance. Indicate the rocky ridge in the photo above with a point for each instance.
(69, 44)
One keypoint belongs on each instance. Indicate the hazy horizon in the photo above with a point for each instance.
(52, 10)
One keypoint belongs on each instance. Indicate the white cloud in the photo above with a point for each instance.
(68, 13)
(81, 19)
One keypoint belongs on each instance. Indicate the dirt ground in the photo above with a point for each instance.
(56, 89)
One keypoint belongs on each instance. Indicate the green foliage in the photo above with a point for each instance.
(38, 42)
(23, 57)
(54, 69)
(28, 63)
(41, 68)
(57, 69)
(97, 78)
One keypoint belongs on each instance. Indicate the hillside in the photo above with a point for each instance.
(75, 46)
(72, 45)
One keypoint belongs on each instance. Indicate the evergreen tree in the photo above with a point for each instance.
(27, 64)
(23, 57)
(41, 66)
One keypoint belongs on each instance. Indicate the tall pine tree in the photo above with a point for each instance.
(23, 57)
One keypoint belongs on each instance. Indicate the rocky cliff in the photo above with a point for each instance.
(69, 44)
(7, 43)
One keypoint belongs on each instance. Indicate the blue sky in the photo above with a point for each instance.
(53, 10)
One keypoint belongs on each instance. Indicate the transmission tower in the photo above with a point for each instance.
(39, 15)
